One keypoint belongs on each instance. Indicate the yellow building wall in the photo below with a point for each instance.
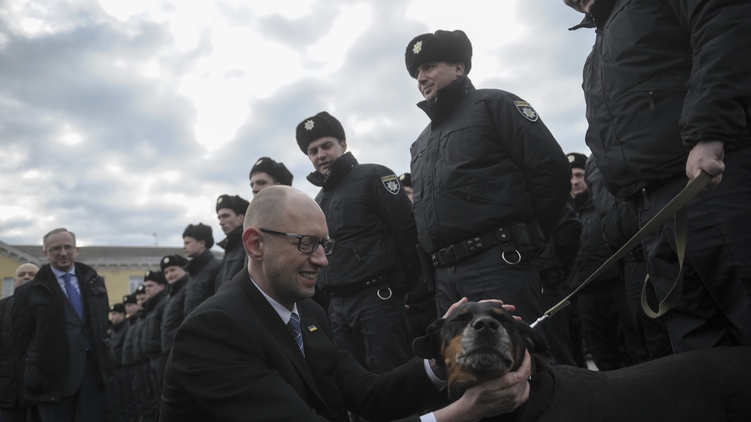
(7, 268)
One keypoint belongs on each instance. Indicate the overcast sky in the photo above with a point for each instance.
(121, 119)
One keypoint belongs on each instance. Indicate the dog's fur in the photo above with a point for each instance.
(481, 341)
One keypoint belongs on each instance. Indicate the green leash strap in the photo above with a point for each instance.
(677, 207)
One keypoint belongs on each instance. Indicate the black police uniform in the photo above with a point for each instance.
(645, 115)
(234, 257)
(153, 310)
(174, 312)
(486, 170)
(373, 263)
(119, 384)
(203, 270)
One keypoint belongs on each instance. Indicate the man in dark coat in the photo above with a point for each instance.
(142, 394)
(116, 390)
(173, 267)
(489, 180)
(655, 123)
(60, 328)
(203, 266)
(260, 349)
(375, 263)
(230, 210)
(13, 406)
(129, 404)
(151, 337)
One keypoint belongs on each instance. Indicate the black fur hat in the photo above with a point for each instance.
(173, 260)
(577, 160)
(321, 125)
(443, 46)
(235, 203)
(200, 232)
(156, 276)
(118, 307)
(129, 299)
(406, 180)
(276, 170)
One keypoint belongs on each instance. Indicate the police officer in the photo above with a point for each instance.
(375, 260)
(231, 213)
(267, 172)
(489, 180)
(203, 266)
(173, 267)
(133, 341)
(129, 406)
(115, 389)
(151, 338)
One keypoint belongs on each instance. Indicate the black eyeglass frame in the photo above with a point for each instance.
(328, 244)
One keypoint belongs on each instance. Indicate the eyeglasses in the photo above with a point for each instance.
(59, 248)
(307, 244)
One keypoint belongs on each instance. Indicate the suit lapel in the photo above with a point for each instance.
(276, 328)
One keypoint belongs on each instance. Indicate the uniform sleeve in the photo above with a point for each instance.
(395, 208)
(533, 149)
(718, 102)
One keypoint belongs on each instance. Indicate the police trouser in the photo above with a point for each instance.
(487, 275)
(141, 391)
(156, 371)
(371, 324)
(653, 333)
(120, 405)
(715, 305)
(554, 289)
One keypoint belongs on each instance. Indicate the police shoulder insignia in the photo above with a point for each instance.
(391, 183)
(526, 110)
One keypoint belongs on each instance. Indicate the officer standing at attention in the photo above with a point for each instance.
(375, 262)
(489, 180)
(230, 210)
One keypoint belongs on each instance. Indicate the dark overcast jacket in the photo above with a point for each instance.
(129, 358)
(481, 163)
(234, 257)
(117, 340)
(153, 311)
(662, 76)
(203, 270)
(372, 225)
(174, 312)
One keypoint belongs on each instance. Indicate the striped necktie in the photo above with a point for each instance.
(294, 328)
(73, 295)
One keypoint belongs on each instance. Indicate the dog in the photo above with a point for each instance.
(482, 341)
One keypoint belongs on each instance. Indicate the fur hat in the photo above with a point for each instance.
(321, 125)
(129, 299)
(156, 276)
(406, 180)
(173, 260)
(118, 307)
(235, 203)
(200, 232)
(140, 290)
(443, 46)
(577, 160)
(276, 170)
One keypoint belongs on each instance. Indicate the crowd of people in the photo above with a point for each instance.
(311, 312)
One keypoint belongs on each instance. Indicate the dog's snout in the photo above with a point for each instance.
(486, 324)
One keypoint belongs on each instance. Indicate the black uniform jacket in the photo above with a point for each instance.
(11, 369)
(39, 332)
(117, 340)
(370, 217)
(486, 159)
(203, 270)
(153, 312)
(174, 312)
(662, 76)
(234, 257)
(235, 360)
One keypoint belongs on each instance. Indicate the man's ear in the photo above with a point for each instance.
(252, 243)
(343, 143)
(535, 342)
(428, 346)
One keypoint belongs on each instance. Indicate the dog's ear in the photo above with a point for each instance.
(428, 346)
(535, 342)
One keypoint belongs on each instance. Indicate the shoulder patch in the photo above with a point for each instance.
(391, 183)
(526, 110)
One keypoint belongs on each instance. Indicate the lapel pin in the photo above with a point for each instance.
(312, 328)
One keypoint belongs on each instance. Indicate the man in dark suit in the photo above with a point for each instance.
(60, 328)
(240, 355)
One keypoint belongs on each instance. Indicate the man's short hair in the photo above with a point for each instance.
(200, 232)
(235, 203)
(276, 170)
(58, 230)
(315, 127)
(443, 46)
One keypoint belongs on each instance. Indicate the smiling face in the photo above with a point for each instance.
(433, 76)
(323, 151)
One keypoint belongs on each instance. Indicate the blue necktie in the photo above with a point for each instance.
(74, 297)
(294, 328)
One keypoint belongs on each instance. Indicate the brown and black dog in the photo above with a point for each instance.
(481, 341)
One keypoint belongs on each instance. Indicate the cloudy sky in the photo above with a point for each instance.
(124, 119)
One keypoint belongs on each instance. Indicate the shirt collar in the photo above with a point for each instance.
(283, 312)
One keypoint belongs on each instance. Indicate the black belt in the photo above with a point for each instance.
(514, 239)
(380, 281)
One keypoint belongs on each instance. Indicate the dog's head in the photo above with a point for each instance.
(477, 342)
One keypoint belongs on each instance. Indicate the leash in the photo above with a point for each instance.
(677, 207)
